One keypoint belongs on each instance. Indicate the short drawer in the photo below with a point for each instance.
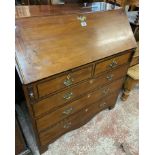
(61, 113)
(68, 95)
(76, 120)
(112, 63)
(65, 80)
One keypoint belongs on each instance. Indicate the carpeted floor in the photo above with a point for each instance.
(112, 132)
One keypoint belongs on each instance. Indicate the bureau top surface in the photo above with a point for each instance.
(49, 45)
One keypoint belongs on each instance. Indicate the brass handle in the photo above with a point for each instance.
(106, 91)
(68, 111)
(101, 105)
(67, 125)
(68, 81)
(110, 77)
(68, 95)
(113, 64)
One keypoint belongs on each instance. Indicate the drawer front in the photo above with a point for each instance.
(112, 63)
(63, 81)
(68, 95)
(61, 113)
(76, 120)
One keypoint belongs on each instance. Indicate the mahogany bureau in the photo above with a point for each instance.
(71, 67)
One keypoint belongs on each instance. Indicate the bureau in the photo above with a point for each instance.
(71, 67)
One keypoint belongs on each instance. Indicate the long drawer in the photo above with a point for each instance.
(70, 94)
(67, 79)
(77, 119)
(71, 108)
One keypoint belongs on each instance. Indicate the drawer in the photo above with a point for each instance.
(61, 113)
(76, 120)
(65, 80)
(112, 63)
(68, 95)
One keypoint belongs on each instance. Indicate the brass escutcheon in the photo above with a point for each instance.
(113, 64)
(68, 81)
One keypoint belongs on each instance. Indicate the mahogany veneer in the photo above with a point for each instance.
(71, 72)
